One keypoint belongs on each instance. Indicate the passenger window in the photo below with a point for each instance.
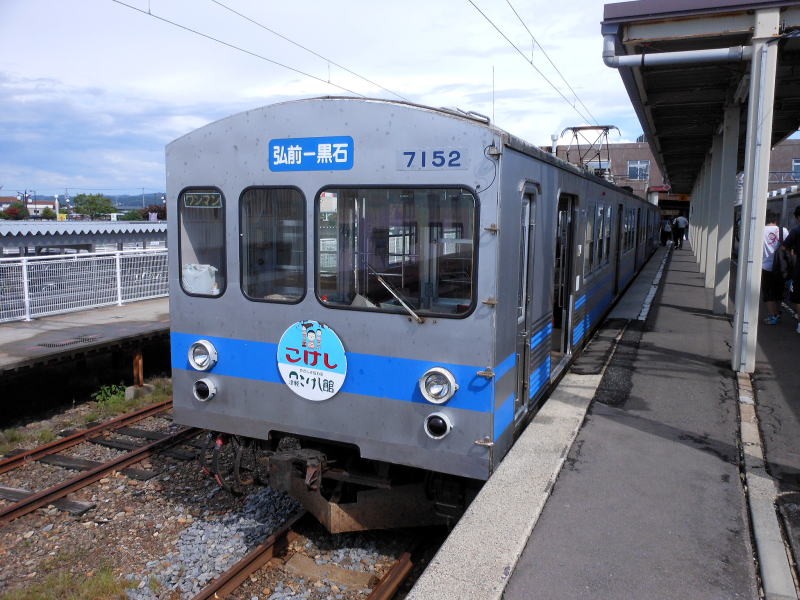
(395, 249)
(600, 229)
(202, 241)
(273, 252)
(608, 234)
(589, 255)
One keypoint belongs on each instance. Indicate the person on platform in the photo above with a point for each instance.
(792, 243)
(771, 279)
(666, 232)
(679, 226)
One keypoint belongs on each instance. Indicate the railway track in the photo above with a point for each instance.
(276, 544)
(273, 560)
(16, 460)
(254, 560)
(25, 501)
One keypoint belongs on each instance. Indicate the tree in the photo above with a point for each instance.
(132, 215)
(93, 205)
(16, 211)
(160, 210)
(48, 213)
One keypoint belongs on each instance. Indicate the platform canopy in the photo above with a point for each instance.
(680, 99)
(716, 85)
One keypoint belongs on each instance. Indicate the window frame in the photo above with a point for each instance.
(224, 265)
(637, 164)
(589, 246)
(304, 213)
(473, 303)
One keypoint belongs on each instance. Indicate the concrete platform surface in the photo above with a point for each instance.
(27, 344)
(629, 481)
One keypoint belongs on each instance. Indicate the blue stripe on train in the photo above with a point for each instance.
(367, 375)
(504, 415)
(387, 377)
(541, 335)
(540, 378)
(593, 316)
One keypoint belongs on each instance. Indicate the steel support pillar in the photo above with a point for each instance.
(727, 193)
(754, 200)
(714, 201)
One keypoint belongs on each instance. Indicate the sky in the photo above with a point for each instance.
(91, 91)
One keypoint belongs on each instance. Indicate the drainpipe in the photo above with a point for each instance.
(734, 54)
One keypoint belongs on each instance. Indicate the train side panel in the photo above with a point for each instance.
(610, 235)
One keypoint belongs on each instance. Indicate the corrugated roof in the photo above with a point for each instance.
(32, 228)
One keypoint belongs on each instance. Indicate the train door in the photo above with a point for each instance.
(618, 251)
(562, 284)
(524, 304)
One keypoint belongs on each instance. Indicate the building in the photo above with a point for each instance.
(35, 206)
(784, 165)
(628, 164)
(6, 201)
(632, 165)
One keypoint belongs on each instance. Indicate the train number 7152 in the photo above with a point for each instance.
(432, 159)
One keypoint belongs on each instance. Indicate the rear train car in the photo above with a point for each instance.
(373, 297)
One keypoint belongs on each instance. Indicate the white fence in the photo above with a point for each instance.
(46, 285)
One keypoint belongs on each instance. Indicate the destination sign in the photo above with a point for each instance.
(334, 153)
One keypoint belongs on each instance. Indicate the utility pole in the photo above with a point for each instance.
(23, 198)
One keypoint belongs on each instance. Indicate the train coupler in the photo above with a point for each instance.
(286, 466)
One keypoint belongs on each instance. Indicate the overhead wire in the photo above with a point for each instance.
(530, 62)
(535, 41)
(235, 47)
(283, 37)
(148, 12)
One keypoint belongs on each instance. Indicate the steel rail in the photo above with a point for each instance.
(231, 579)
(47, 496)
(13, 462)
(390, 582)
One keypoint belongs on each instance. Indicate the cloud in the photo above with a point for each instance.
(95, 99)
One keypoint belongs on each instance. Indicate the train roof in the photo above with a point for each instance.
(475, 118)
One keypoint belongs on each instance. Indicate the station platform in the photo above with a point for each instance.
(45, 340)
(645, 475)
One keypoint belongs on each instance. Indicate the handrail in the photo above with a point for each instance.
(35, 286)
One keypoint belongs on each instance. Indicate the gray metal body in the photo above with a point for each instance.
(483, 347)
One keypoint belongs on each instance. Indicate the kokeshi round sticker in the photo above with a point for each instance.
(312, 360)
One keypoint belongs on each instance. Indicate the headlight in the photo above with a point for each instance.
(437, 425)
(204, 390)
(438, 385)
(202, 355)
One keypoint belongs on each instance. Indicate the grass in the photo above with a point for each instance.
(63, 585)
(107, 402)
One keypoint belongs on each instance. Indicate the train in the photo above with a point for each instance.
(781, 202)
(374, 297)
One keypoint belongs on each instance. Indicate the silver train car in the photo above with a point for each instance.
(374, 297)
(783, 202)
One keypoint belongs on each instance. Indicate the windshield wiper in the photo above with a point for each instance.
(396, 295)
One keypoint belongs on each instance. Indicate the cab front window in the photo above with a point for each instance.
(202, 241)
(273, 244)
(391, 249)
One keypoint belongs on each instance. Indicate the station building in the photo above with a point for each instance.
(632, 164)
